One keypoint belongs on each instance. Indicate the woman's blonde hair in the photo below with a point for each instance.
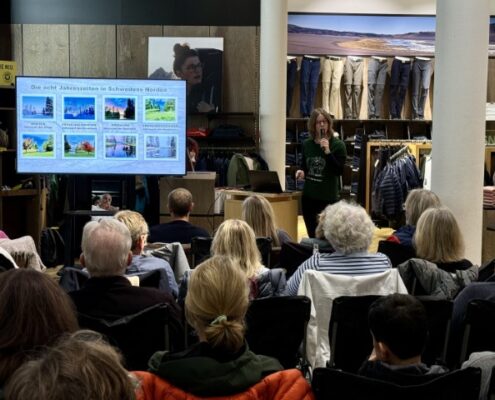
(419, 200)
(438, 237)
(79, 366)
(258, 213)
(234, 238)
(312, 121)
(217, 301)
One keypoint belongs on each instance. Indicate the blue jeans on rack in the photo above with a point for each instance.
(291, 81)
(399, 81)
(310, 70)
(421, 76)
(377, 74)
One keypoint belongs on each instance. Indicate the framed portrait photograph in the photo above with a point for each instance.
(198, 61)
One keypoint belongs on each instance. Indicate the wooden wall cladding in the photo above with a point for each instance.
(240, 83)
(132, 49)
(92, 51)
(109, 51)
(45, 50)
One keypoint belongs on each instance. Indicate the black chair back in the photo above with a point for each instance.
(265, 247)
(349, 336)
(439, 314)
(398, 253)
(479, 329)
(200, 249)
(276, 327)
(292, 255)
(339, 385)
(72, 278)
(154, 279)
(137, 336)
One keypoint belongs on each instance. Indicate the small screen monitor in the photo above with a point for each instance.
(101, 126)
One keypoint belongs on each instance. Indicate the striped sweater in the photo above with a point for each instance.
(338, 263)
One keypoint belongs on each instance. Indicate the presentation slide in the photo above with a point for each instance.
(101, 126)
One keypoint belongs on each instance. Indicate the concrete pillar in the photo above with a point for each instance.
(461, 63)
(273, 82)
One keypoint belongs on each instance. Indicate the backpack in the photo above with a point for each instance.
(52, 247)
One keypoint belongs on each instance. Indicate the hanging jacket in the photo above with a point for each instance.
(435, 281)
(237, 174)
(283, 385)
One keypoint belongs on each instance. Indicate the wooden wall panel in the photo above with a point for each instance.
(186, 31)
(240, 76)
(16, 31)
(46, 50)
(132, 49)
(93, 51)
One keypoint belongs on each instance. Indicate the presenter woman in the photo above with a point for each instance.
(322, 165)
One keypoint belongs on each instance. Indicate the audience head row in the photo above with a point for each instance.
(77, 366)
(235, 239)
(258, 213)
(34, 312)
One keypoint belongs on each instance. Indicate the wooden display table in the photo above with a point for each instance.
(285, 207)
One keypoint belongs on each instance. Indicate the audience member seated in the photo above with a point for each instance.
(142, 263)
(235, 239)
(180, 205)
(23, 251)
(258, 213)
(34, 312)
(349, 229)
(106, 253)
(323, 244)
(439, 240)
(220, 364)
(399, 326)
(78, 367)
(418, 201)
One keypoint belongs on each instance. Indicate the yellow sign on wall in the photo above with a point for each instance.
(7, 73)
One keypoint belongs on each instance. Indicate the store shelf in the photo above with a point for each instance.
(18, 193)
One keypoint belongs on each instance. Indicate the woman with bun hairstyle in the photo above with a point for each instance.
(188, 66)
(220, 364)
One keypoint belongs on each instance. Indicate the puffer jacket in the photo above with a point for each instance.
(287, 384)
(433, 280)
(271, 283)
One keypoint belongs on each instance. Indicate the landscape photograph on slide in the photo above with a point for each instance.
(79, 146)
(120, 146)
(160, 109)
(38, 145)
(161, 146)
(79, 108)
(120, 108)
(361, 35)
(38, 107)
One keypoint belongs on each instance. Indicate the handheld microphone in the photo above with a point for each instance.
(322, 135)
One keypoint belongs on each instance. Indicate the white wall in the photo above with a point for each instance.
(369, 6)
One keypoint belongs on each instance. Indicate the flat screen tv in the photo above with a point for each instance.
(101, 126)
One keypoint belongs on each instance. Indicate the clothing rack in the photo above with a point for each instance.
(397, 154)
(415, 147)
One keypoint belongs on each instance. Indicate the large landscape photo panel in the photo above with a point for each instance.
(198, 61)
(361, 35)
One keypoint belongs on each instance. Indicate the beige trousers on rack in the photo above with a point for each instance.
(333, 69)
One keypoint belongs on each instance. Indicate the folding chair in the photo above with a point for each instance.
(137, 336)
(479, 329)
(276, 327)
(398, 253)
(334, 384)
